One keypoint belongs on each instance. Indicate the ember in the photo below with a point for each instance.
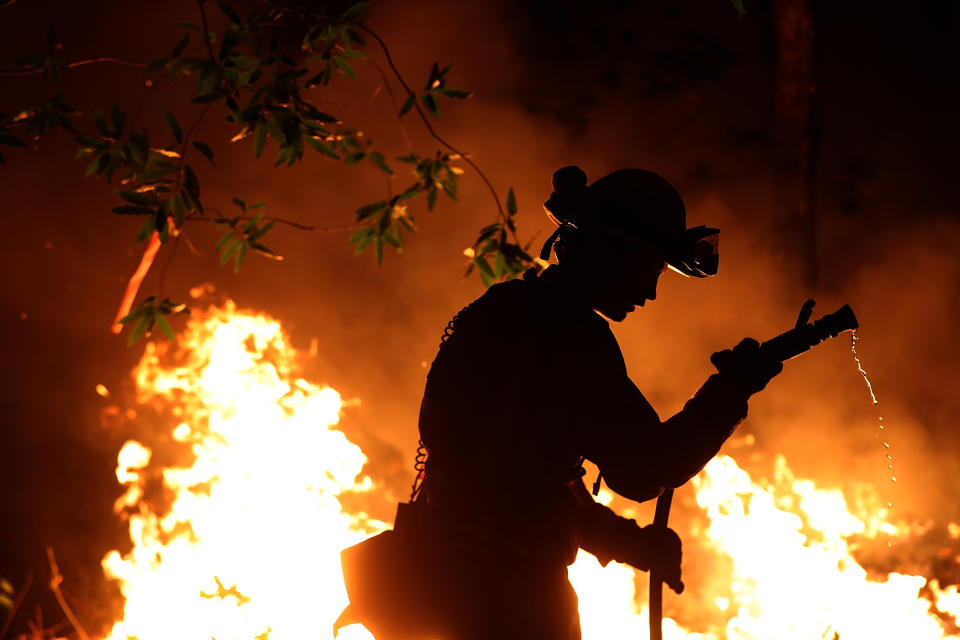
(245, 541)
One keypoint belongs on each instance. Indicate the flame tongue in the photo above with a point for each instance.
(249, 546)
(246, 545)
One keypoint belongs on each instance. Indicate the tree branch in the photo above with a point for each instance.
(423, 117)
(146, 261)
(55, 581)
(73, 65)
(8, 619)
(203, 20)
(433, 133)
(290, 223)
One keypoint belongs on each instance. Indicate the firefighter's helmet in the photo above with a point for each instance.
(630, 207)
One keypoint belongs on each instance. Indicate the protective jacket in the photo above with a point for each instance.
(527, 382)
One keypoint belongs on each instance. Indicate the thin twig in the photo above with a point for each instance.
(296, 225)
(393, 101)
(17, 601)
(433, 133)
(73, 65)
(203, 19)
(423, 117)
(133, 284)
(55, 581)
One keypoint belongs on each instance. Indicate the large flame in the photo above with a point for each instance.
(236, 533)
(248, 546)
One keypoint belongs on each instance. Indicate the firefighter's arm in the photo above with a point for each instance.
(611, 537)
(639, 454)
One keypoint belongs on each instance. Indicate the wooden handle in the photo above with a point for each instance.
(660, 518)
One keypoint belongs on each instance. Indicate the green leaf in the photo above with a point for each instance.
(377, 159)
(155, 64)
(11, 140)
(344, 67)
(511, 202)
(119, 118)
(259, 137)
(146, 230)
(240, 202)
(353, 158)
(191, 184)
(239, 256)
(181, 44)
(163, 324)
(321, 146)
(499, 265)
(144, 199)
(223, 240)
(354, 11)
(229, 250)
(486, 273)
(142, 327)
(101, 122)
(228, 11)
(430, 102)
(275, 130)
(408, 104)
(174, 126)
(205, 149)
(369, 210)
(351, 53)
(738, 6)
(459, 94)
(431, 199)
(361, 240)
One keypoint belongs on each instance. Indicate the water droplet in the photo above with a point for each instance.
(854, 338)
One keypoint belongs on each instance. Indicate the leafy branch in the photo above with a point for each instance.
(264, 92)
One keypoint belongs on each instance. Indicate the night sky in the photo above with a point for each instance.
(681, 88)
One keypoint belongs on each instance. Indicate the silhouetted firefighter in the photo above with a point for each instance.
(529, 381)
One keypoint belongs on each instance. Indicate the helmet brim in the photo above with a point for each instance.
(696, 254)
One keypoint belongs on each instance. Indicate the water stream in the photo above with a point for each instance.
(882, 434)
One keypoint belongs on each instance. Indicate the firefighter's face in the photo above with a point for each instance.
(629, 281)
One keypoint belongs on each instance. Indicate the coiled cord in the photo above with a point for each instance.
(420, 466)
(420, 461)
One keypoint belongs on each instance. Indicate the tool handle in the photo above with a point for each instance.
(660, 518)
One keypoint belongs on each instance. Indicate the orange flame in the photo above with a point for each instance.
(246, 545)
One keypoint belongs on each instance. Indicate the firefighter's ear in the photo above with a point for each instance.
(569, 243)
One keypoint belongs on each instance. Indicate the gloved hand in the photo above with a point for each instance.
(746, 366)
(659, 549)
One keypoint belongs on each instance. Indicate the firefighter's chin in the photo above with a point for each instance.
(616, 313)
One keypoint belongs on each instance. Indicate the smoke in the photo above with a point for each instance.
(544, 99)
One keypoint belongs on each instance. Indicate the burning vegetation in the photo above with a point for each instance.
(235, 516)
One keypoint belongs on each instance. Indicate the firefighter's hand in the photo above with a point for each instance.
(746, 366)
(662, 552)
